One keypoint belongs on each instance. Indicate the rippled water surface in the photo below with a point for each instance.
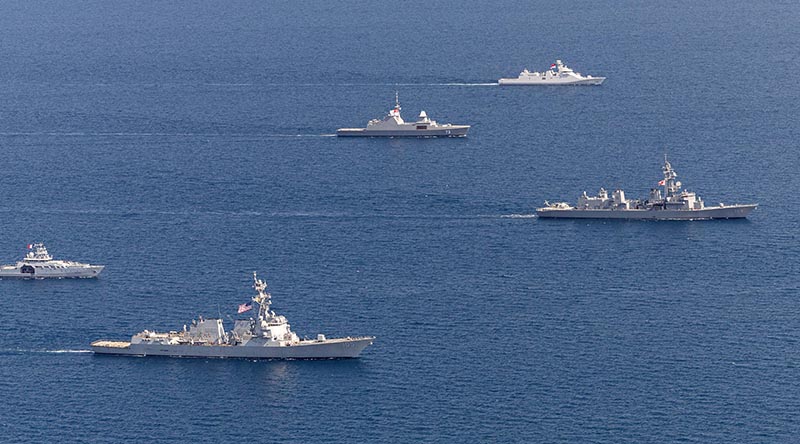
(184, 145)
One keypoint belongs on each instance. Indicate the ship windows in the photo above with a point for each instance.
(422, 127)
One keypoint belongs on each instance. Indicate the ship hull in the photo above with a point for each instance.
(79, 273)
(452, 131)
(328, 349)
(526, 82)
(727, 212)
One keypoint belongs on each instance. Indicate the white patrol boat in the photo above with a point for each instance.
(38, 264)
(673, 205)
(267, 337)
(558, 74)
(392, 125)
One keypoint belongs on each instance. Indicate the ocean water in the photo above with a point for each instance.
(186, 144)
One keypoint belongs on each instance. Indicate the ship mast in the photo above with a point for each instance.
(670, 186)
(263, 299)
(39, 253)
(395, 112)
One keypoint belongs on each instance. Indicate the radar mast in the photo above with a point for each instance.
(262, 298)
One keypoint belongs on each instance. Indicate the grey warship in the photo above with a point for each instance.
(673, 205)
(392, 125)
(266, 337)
(562, 76)
(39, 264)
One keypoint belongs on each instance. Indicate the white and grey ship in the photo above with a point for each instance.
(558, 74)
(38, 264)
(266, 337)
(392, 125)
(674, 204)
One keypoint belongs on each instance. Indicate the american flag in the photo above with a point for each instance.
(244, 307)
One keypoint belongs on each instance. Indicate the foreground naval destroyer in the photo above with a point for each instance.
(38, 264)
(673, 205)
(558, 74)
(266, 337)
(392, 125)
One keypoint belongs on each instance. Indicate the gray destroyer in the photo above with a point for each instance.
(674, 204)
(266, 337)
(38, 264)
(392, 125)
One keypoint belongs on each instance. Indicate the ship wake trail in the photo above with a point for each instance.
(67, 351)
(308, 214)
(34, 352)
(155, 135)
(297, 135)
(446, 84)
(327, 85)
(518, 216)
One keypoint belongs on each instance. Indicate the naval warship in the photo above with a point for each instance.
(674, 204)
(38, 264)
(266, 337)
(558, 74)
(392, 125)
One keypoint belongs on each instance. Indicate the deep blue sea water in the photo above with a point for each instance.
(186, 144)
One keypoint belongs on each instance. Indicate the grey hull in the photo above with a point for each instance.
(518, 82)
(329, 349)
(727, 212)
(84, 273)
(441, 132)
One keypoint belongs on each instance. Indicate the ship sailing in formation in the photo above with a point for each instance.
(674, 204)
(266, 337)
(38, 264)
(392, 125)
(558, 74)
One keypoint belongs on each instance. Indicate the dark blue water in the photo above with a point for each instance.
(185, 145)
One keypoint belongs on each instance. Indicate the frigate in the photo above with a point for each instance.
(38, 264)
(674, 204)
(558, 74)
(268, 336)
(392, 125)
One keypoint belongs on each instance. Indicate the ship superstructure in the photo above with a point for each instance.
(268, 336)
(38, 264)
(673, 204)
(558, 74)
(393, 125)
